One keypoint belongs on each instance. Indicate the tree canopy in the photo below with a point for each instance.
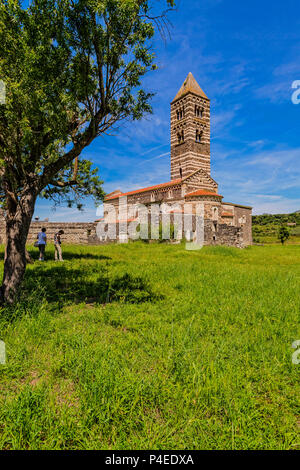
(72, 70)
(283, 234)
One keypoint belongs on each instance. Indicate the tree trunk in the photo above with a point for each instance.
(29, 260)
(18, 219)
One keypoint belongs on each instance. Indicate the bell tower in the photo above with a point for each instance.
(190, 130)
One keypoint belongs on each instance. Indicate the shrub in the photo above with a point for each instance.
(283, 234)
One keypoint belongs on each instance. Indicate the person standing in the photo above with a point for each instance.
(41, 243)
(57, 245)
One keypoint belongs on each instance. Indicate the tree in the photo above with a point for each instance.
(283, 234)
(72, 70)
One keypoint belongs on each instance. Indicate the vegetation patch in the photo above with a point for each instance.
(266, 228)
(191, 350)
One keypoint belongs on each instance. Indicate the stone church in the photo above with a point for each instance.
(191, 183)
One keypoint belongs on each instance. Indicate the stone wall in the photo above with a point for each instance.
(223, 234)
(75, 232)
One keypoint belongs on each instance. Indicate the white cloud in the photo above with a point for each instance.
(154, 158)
(267, 180)
(282, 206)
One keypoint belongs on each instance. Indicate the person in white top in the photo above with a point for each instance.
(42, 241)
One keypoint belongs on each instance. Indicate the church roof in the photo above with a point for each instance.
(202, 192)
(190, 86)
(142, 190)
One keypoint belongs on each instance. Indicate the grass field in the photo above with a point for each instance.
(154, 347)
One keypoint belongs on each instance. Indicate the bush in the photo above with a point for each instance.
(283, 234)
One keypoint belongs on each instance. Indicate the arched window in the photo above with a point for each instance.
(180, 136)
(180, 114)
(198, 111)
(198, 136)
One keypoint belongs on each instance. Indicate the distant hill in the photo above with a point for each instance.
(276, 219)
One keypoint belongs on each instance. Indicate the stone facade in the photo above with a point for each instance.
(191, 184)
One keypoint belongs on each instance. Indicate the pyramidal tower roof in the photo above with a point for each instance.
(190, 86)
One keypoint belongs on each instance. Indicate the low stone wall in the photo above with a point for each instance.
(74, 232)
(224, 235)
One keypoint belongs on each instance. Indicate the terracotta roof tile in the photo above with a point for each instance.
(202, 192)
(117, 191)
(142, 190)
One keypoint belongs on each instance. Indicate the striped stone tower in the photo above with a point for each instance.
(190, 130)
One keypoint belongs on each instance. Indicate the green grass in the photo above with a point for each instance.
(273, 240)
(154, 347)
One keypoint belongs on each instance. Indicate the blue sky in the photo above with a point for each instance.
(245, 56)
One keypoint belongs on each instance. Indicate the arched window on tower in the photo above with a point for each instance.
(180, 137)
(198, 111)
(180, 113)
(198, 136)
